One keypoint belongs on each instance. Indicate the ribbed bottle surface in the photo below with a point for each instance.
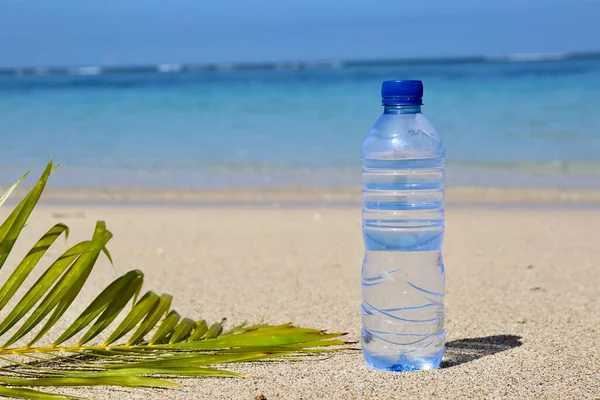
(403, 229)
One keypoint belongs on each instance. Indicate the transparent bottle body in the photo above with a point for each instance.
(403, 229)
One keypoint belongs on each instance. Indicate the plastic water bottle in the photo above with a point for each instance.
(403, 229)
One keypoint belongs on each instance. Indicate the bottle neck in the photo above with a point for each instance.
(412, 109)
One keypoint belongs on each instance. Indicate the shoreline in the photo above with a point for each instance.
(302, 195)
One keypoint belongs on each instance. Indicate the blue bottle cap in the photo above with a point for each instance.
(402, 93)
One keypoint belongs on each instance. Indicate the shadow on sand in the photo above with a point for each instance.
(466, 350)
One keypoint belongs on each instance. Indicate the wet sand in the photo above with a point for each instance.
(301, 195)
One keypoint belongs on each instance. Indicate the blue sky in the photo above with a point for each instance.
(117, 32)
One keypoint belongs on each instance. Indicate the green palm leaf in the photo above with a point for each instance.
(151, 343)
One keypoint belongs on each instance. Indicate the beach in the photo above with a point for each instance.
(238, 190)
(236, 158)
(521, 295)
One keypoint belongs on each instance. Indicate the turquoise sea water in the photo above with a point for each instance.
(503, 123)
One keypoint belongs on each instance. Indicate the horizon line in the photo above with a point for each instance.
(91, 69)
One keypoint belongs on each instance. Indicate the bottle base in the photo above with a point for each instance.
(403, 363)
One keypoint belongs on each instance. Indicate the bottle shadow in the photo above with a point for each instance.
(466, 350)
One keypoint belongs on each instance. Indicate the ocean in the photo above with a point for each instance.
(509, 122)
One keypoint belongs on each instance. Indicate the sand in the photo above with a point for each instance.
(303, 195)
(523, 312)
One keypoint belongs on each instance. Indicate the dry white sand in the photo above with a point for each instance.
(523, 312)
